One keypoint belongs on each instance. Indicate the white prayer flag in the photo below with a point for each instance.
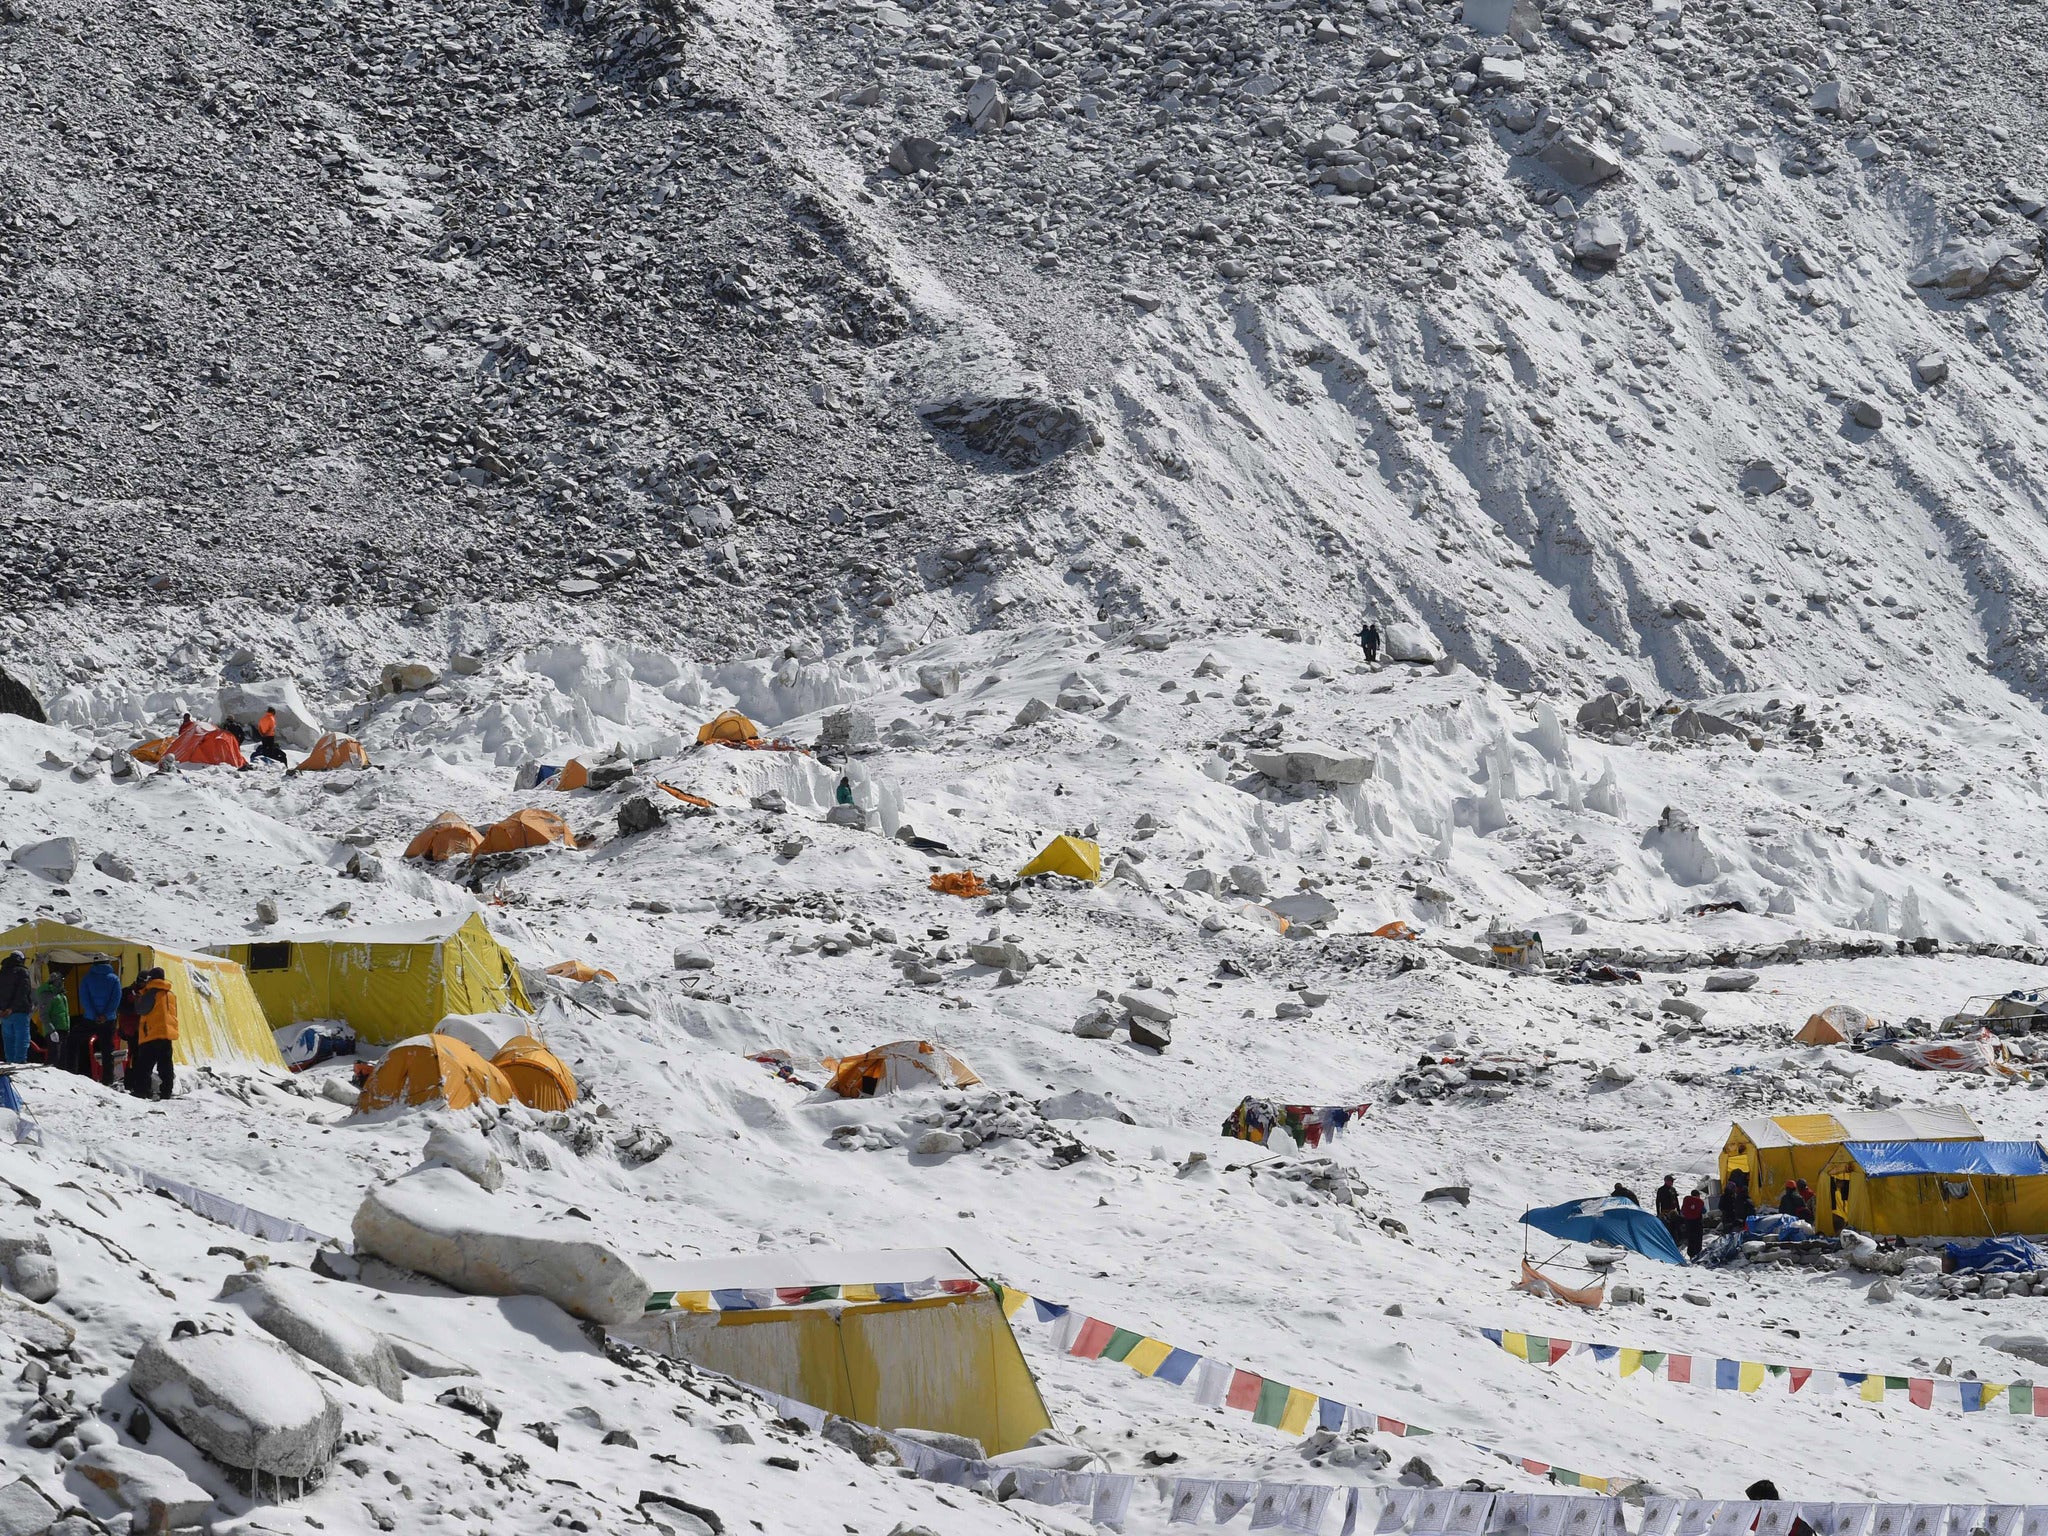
(1269, 1505)
(1212, 1382)
(1394, 1506)
(1305, 1511)
(1548, 1513)
(1112, 1499)
(1432, 1513)
(2035, 1522)
(1926, 1520)
(1734, 1518)
(1190, 1497)
(1696, 1516)
(1964, 1519)
(2003, 1519)
(1889, 1519)
(1468, 1514)
(1351, 1513)
(1509, 1515)
(1065, 1329)
(1232, 1496)
(1775, 1520)
(1849, 1520)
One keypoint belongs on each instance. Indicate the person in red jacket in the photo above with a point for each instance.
(1692, 1222)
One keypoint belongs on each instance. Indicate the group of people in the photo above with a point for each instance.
(1685, 1216)
(143, 1015)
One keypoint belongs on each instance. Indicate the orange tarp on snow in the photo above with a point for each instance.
(1537, 1283)
(685, 796)
(963, 882)
(335, 751)
(446, 837)
(731, 729)
(201, 744)
(537, 1075)
(579, 970)
(433, 1069)
(526, 829)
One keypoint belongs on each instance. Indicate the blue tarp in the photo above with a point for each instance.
(1778, 1226)
(1997, 1256)
(1605, 1219)
(1893, 1159)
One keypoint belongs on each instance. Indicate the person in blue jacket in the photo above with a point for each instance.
(99, 1001)
(17, 997)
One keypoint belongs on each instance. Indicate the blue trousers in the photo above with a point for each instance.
(14, 1037)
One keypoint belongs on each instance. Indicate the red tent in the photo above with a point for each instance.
(206, 744)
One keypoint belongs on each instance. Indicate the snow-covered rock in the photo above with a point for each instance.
(242, 1400)
(464, 1149)
(287, 1308)
(153, 1490)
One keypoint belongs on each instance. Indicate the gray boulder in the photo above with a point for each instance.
(34, 1275)
(1682, 1008)
(437, 1222)
(54, 859)
(1311, 909)
(241, 1400)
(156, 1494)
(2031, 1347)
(1970, 270)
(1000, 956)
(1144, 1003)
(24, 1508)
(912, 153)
(1580, 161)
(1731, 981)
(1865, 413)
(17, 698)
(939, 682)
(1598, 240)
(1311, 763)
(1761, 477)
(1019, 430)
(286, 1309)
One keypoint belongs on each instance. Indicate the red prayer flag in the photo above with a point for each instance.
(1800, 1374)
(1244, 1390)
(1920, 1391)
(1391, 1426)
(1091, 1340)
(1559, 1348)
(1539, 1468)
(2041, 1402)
(1678, 1368)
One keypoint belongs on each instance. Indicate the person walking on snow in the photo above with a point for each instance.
(266, 736)
(17, 996)
(1369, 641)
(156, 1028)
(99, 1001)
(1667, 1204)
(53, 1012)
(1692, 1220)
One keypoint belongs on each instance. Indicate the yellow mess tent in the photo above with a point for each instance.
(1064, 855)
(220, 1020)
(334, 751)
(386, 983)
(540, 1079)
(1799, 1146)
(731, 729)
(897, 1340)
(432, 1069)
(446, 837)
(1934, 1189)
(896, 1067)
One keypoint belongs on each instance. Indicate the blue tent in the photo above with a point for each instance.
(1896, 1159)
(1607, 1219)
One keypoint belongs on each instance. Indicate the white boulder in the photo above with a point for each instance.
(1311, 762)
(297, 726)
(285, 1308)
(242, 1400)
(465, 1150)
(1144, 1003)
(156, 1494)
(438, 1223)
(54, 860)
(1082, 1104)
(1408, 642)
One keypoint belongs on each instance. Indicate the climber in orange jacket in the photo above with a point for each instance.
(156, 1008)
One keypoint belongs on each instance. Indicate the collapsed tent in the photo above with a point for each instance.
(334, 751)
(387, 982)
(960, 882)
(446, 837)
(1607, 1219)
(1935, 1188)
(1395, 930)
(198, 745)
(529, 828)
(1536, 1283)
(1995, 1256)
(540, 1079)
(899, 1340)
(432, 1069)
(307, 1045)
(580, 970)
(220, 1020)
(730, 729)
(896, 1068)
(1836, 1024)
(1074, 857)
(1980, 1054)
(1787, 1147)
(151, 751)
(1256, 1120)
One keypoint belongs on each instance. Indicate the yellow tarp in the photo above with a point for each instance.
(220, 1020)
(946, 1363)
(386, 984)
(1064, 855)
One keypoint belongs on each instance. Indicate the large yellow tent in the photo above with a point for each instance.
(219, 1017)
(530, 828)
(1799, 1146)
(432, 1069)
(387, 983)
(1934, 1189)
(1064, 855)
(897, 1340)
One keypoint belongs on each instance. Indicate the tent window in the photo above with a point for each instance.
(270, 957)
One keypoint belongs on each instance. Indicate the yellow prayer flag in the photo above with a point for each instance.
(1591, 1483)
(1294, 1417)
(858, 1293)
(1872, 1390)
(1013, 1300)
(1749, 1376)
(1516, 1344)
(1148, 1356)
(692, 1301)
(1631, 1361)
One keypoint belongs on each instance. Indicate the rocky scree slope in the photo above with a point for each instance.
(1701, 343)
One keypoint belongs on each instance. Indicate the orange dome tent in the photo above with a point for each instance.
(334, 751)
(1395, 930)
(573, 776)
(537, 1075)
(203, 744)
(580, 970)
(432, 1069)
(526, 829)
(446, 837)
(896, 1067)
(731, 729)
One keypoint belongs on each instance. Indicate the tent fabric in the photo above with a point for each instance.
(220, 1019)
(1607, 1219)
(1072, 856)
(1395, 930)
(2001, 1159)
(580, 970)
(530, 828)
(1799, 1146)
(895, 1068)
(946, 1363)
(960, 882)
(203, 744)
(432, 1069)
(685, 796)
(151, 751)
(488, 1033)
(1836, 1024)
(1995, 1256)
(539, 1078)
(446, 837)
(573, 775)
(1818, 1031)
(730, 729)
(333, 750)
(1537, 1283)
(387, 983)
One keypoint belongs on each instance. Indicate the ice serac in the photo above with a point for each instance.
(242, 1400)
(438, 1223)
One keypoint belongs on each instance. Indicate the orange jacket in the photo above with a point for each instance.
(267, 726)
(159, 1019)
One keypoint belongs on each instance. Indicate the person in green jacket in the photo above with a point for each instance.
(53, 1012)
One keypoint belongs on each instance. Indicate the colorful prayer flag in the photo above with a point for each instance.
(1177, 1366)
(859, 1293)
(1147, 1355)
(1013, 1301)
(1920, 1391)
(1330, 1414)
(1727, 1374)
(1094, 1336)
(1559, 1348)
(1244, 1391)
(1679, 1368)
(1751, 1376)
(1973, 1396)
(1295, 1415)
(1873, 1388)
(1516, 1344)
(1047, 1311)
(1272, 1403)
(1121, 1342)
(1631, 1361)
(1800, 1376)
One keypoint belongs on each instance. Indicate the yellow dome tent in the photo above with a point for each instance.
(893, 1068)
(432, 1069)
(1074, 856)
(446, 837)
(731, 729)
(334, 751)
(573, 776)
(526, 829)
(539, 1078)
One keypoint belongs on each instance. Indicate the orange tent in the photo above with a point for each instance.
(963, 882)
(901, 1065)
(151, 751)
(579, 970)
(446, 837)
(731, 729)
(334, 751)
(573, 776)
(1395, 930)
(1836, 1024)
(432, 1069)
(202, 744)
(526, 829)
(538, 1077)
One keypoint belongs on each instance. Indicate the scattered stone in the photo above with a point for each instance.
(24, 1509)
(1309, 909)
(154, 1491)
(1151, 1032)
(35, 1275)
(1972, 270)
(1625, 1296)
(641, 813)
(1866, 413)
(1311, 763)
(1082, 1104)
(54, 859)
(1598, 240)
(1579, 161)
(1883, 1290)
(1462, 1193)
(1682, 1008)
(1931, 369)
(1033, 711)
(1731, 981)
(1003, 955)
(939, 682)
(692, 960)
(1144, 1003)
(17, 698)
(1096, 1024)
(938, 1143)
(465, 1150)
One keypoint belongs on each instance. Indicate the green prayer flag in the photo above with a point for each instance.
(1121, 1343)
(1896, 1384)
(1539, 1349)
(2019, 1397)
(1652, 1358)
(1272, 1403)
(1560, 1475)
